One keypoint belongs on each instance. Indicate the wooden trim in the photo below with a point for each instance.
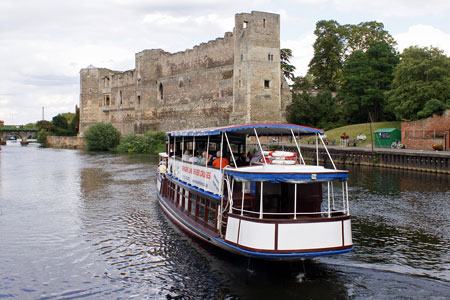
(276, 236)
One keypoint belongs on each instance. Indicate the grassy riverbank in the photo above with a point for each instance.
(356, 129)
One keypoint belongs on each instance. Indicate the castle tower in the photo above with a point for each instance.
(257, 72)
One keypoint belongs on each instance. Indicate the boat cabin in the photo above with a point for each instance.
(226, 186)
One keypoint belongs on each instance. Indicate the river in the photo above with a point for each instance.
(79, 225)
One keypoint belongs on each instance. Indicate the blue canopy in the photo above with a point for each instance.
(262, 129)
(287, 177)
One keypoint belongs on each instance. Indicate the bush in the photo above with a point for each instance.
(150, 142)
(101, 137)
(42, 137)
(431, 107)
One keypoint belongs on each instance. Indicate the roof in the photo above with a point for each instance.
(286, 173)
(262, 129)
(386, 130)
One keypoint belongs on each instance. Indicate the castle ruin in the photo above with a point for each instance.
(236, 79)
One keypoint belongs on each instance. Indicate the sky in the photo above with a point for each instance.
(44, 44)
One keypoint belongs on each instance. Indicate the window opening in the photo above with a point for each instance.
(242, 57)
(264, 23)
(139, 99)
(161, 91)
(245, 24)
(266, 84)
(120, 97)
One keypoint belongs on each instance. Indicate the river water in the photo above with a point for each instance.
(78, 225)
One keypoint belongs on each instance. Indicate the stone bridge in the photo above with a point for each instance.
(24, 132)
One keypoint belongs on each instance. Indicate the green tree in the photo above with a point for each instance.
(313, 110)
(364, 35)
(44, 124)
(74, 124)
(326, 64)
(42, 137)
(366, 78)
(286, 67)
(102, 137)
(335, 43)
(423, 75)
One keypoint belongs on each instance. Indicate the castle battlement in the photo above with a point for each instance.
(236, 78)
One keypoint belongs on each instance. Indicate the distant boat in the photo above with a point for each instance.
(277, 208)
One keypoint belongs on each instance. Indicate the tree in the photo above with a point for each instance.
(102, 137)
(366, 78)
(74, 124)
(313, 110)
(423, 75)
(334, 45)
(286, 67)
(326, 63)
(364, 35)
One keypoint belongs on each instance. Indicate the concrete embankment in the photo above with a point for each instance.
(408, 159)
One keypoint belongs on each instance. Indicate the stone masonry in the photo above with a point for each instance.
(236, 79)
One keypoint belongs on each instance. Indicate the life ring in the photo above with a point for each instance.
(271, 156)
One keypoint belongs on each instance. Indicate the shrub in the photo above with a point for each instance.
(101, 137)
(150, 142)
(42, 137)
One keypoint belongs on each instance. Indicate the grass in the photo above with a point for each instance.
(356, 129)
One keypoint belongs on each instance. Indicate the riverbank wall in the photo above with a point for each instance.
(68, 142)
(408, 159)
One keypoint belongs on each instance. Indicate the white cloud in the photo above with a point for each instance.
(424, 36)
(393, 8)
(302, 51)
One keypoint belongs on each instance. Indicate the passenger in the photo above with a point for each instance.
(194, 158)
(186, 155)
(218, 162)
(202, 159)
(256, 158)
(210, 160)
(243, 160)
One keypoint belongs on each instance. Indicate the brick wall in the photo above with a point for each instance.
(424, 133)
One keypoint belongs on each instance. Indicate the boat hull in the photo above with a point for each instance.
(177, 217)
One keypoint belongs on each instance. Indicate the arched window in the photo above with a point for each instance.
(161, 91)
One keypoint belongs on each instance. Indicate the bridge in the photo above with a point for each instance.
(25, 132)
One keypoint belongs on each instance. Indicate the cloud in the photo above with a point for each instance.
(302, 51)
(424, 36)
(393, 8)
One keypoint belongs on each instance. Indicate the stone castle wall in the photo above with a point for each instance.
(232, 80)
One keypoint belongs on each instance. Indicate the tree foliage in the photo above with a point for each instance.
(313, 110)
(366, 78)
(335, 43)
(102, 137)
(149, 142)
(286, 67)
(326, 63)
(423, 75)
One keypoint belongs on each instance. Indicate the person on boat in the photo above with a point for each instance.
(243, 160)
(205, 159)
(194, 158)
(186, 155)
(220, 162)
(256, 158)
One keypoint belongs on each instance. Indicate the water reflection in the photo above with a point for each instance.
(78, 225)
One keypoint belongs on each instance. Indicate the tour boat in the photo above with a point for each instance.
(274, 206)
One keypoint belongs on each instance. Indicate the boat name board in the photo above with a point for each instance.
(208, 179)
